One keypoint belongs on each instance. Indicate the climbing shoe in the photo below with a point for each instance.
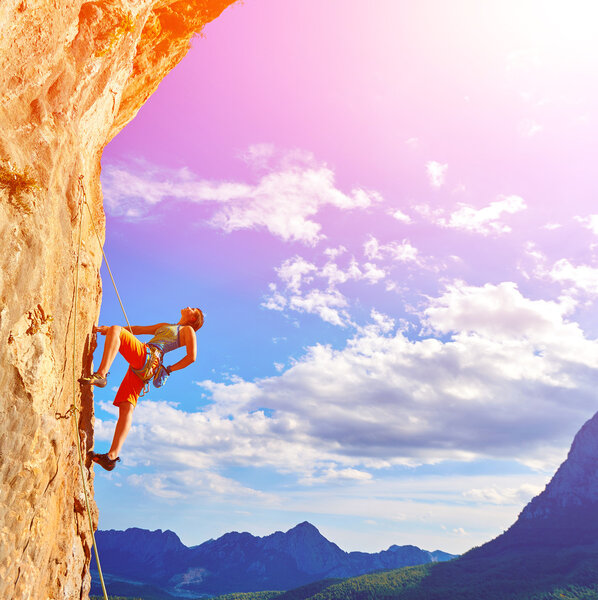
(103, 460)
(94, 379)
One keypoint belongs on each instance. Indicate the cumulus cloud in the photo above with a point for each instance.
(402, 251)
(372, 273)
(510, 378)
(485, 221)
(498, 311)
(324, 298)
(295, 272)
(436, 173)
(328, 305)
(583, 277)
(284, 201)
(590, 222)
(483, 392)
(400, 216)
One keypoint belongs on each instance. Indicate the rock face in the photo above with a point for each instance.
(240, 561)
(72, 74)
(565, 514)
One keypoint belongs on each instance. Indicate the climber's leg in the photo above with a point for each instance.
(125, 418)
(111, 347)
(118, 339)
(130, 388)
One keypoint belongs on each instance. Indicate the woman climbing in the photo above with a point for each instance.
(145, 363)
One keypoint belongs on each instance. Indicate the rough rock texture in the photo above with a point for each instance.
(72, 74)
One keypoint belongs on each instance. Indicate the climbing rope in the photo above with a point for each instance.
(74, 407)
(103, 253)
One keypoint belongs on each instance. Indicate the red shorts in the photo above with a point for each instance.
(134, 352)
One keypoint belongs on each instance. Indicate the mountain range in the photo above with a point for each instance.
(239, 561)
(549, 553)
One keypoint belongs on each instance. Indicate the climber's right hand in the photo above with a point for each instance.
(103, 329)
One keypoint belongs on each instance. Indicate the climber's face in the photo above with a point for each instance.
(189, 315)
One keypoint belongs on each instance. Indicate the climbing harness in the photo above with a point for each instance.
(151, 368)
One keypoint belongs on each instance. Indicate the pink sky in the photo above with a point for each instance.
(400, 197)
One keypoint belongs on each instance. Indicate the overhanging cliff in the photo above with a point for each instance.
(72, 75)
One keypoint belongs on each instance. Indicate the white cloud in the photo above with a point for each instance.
(492, 495)
(401, 217)
(181, 483)
(403, 252)
(485, 220)
(333, 475)
(583, 277)
(372, 273)
(284, 201)
(328, 305)
(295, 272)
(497, 387)
(436, 173)
(383, 322)
(275, 301)
(511, 378)
(400, 251)
(335, 275)
(498, 311)
(333, 253)
(259, 155)
(371, 248)
(590, 222)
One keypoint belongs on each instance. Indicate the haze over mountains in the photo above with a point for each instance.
(549, 552)
(241, 561)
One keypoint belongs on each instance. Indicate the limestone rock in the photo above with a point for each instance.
(72, 74)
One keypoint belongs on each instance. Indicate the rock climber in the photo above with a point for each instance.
(145, 363)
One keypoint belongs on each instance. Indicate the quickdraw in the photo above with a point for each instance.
(151, 367)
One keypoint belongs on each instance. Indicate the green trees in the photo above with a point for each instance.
(570, 574)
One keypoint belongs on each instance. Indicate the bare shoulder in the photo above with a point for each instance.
(187, 331)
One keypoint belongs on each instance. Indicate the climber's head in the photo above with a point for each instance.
(192, 316)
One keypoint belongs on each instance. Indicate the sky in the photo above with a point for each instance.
(387, 213)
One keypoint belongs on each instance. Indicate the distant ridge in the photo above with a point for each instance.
(565, 514)
(549, 553)
(239, 562)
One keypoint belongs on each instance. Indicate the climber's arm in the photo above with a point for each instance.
(188, 339)
(135, 329)
(145, 329)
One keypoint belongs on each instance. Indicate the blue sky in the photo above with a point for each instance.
(387, 218)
